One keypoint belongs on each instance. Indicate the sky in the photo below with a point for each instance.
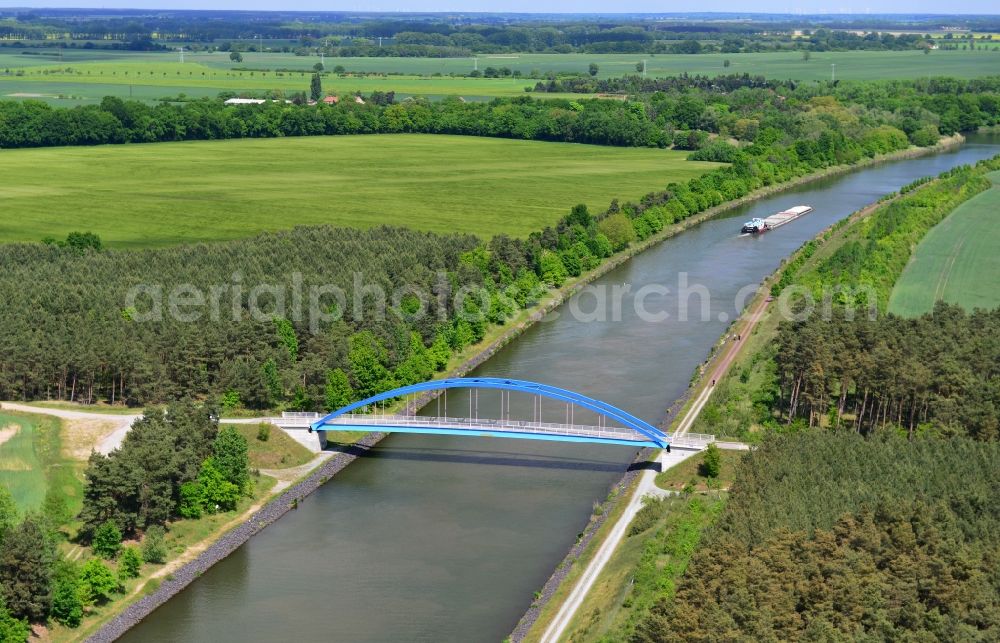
(546, 6)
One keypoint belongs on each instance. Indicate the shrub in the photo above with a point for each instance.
(131, 562)
(107, 540)
(97, 582)
(711, 464)
(67, 607)
(192, 500)
(153, 548)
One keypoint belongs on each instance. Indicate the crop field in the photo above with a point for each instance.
(957, 261)
(79, 76)
(851, 65)
(92, 81)
(162, 193)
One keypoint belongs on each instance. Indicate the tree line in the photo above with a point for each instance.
(829, 535)
(686, 112)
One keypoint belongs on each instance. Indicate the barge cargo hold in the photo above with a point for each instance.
(757, 226)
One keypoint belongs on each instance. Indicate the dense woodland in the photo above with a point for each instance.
(831, 536)
(939, 372)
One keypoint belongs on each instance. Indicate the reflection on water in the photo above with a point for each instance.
(437, 538)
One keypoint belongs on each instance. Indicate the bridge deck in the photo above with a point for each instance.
(504, 428)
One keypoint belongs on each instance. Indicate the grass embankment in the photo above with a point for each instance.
(957, 261)
(277, 451)
(688, 475)
(163, 193)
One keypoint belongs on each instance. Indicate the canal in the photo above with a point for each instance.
(437, 538)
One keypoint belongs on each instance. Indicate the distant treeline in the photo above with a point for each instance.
(829, 536)
(684, 112)
(35, 124)
(443, 36)
(78, 338)
(636, 84)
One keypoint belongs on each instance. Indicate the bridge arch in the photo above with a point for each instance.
(626, 419)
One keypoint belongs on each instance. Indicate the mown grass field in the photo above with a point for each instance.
(32, 462)
(20, 469)
(80, 76)
(957, 261)
(163, 193)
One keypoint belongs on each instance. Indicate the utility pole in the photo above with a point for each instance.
(643, 68)
(475, 63)
(833, 72)
(182, 55)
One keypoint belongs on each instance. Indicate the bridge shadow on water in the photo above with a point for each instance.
(492, 458)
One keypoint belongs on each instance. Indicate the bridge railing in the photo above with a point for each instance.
(295, 420)
(522, 426)
(698, 440)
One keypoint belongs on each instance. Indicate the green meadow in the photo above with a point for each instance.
(957, 261)
(163, 193)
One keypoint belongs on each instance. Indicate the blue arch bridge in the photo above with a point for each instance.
(613, 425)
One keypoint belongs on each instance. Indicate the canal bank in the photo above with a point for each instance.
(449, 537)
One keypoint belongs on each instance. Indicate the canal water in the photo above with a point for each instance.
(440, 538)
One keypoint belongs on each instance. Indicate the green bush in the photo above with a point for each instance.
(154, 549)
(130, 562)
(107, 540)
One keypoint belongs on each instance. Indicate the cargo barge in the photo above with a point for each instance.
(758, 226)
